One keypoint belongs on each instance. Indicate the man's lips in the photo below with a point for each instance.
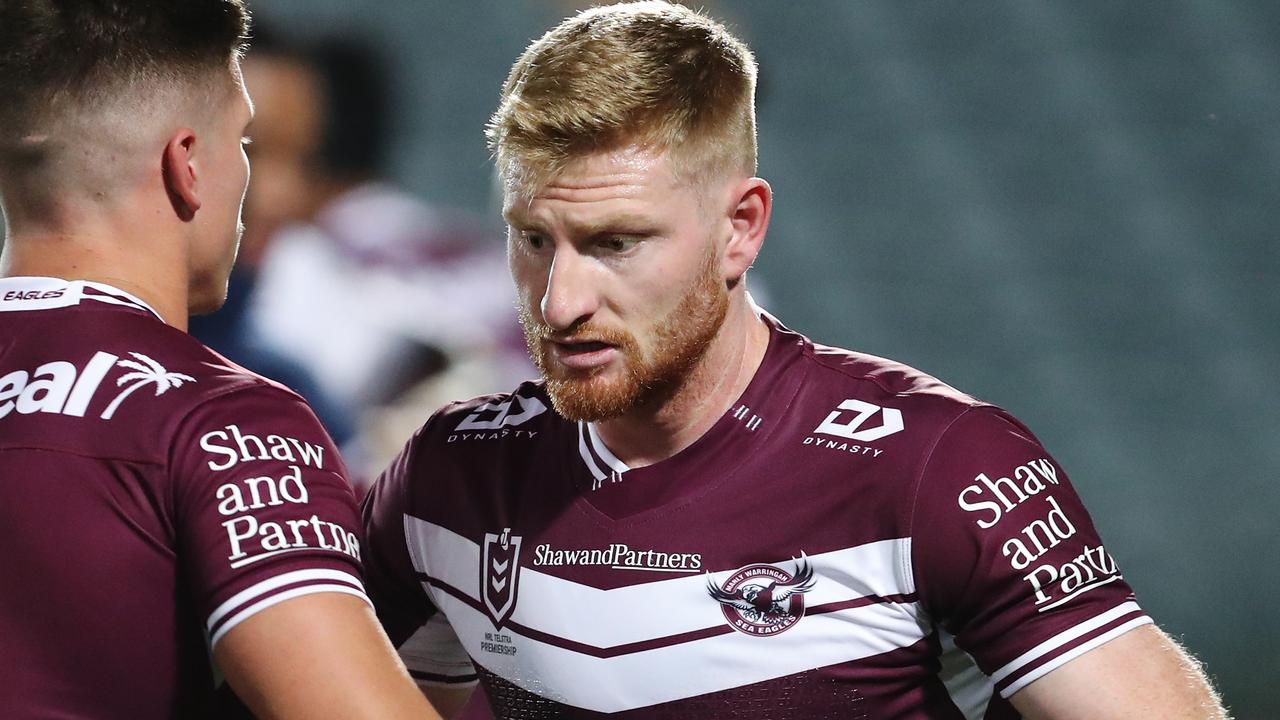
(582, 354)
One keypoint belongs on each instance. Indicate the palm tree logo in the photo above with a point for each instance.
(145, 372)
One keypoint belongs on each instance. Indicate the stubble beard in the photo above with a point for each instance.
(680, 340)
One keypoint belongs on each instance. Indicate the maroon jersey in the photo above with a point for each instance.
(853, 539)
(152, 497)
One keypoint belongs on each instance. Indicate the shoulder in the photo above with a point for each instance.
(878, 375)
(863, 392)
(902, 408)
(487, 425)
(107, 382)
(162, 357)
(478, 442)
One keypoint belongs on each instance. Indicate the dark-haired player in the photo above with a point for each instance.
(700, 513)
(157, 504)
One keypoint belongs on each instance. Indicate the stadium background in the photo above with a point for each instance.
(1066, 208)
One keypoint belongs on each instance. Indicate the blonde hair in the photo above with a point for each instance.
(654, 74)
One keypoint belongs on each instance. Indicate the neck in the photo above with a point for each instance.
(122, 260)
(651, 434)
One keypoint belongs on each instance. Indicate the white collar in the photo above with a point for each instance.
(41, 293)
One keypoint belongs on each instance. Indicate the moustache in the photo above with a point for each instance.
(583, 332)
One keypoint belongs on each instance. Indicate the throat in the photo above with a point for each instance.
(672, 422)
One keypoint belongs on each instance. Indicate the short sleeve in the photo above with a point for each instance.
(262, 509)
(398, 596)
(1007, 559)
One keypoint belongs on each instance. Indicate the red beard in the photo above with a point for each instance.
(680, 339)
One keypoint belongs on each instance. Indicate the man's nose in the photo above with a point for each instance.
(571, 296)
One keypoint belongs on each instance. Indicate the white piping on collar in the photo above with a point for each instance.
(591, 447)
(587, 458)
(605, 454)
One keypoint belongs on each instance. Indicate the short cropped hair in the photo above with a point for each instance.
(57, 56)
(652, 73)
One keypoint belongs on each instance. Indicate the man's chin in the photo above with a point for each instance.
(205, 306)
(591, 397)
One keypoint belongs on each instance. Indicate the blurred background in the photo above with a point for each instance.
(1069, 209)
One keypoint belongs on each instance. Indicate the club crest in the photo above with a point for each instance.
(499, 575)
(764, 600)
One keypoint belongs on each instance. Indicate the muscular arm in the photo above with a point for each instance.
(1007, 553)
(318, 656)
(1141, 674)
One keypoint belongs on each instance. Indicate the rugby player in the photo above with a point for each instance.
(158, 505)
(701, 513)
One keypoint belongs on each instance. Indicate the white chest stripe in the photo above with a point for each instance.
(608, 618)
(687, 669)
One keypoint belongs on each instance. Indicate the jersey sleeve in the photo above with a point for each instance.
(1007, 559)
(427, 644)
(262, 509)
(397, 594)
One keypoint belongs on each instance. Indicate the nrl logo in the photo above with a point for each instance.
(764, 600)
(499, 573)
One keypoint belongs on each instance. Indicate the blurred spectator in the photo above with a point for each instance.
(227, 331)
(368, 288)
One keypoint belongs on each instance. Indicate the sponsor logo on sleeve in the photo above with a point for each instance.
(1052, 583)
(62, 388)
(500, 575)
(493, 416)
(494, 421)
(859, 428)
(249, 537)
(764, 600)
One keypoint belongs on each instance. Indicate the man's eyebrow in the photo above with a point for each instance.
(620, 223)
(514, 216)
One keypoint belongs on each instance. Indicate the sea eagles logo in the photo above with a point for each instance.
(764, 600)
(499, 573)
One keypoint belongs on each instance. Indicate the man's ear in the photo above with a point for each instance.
(179, 171)
(751, 202)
